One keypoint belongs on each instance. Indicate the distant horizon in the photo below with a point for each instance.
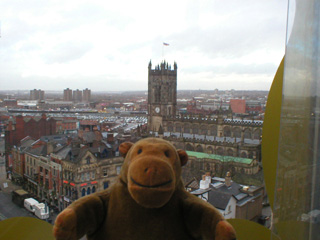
(119, 91)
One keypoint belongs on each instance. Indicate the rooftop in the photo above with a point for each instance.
(201, 155)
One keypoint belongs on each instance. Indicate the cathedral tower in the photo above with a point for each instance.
(162, 94)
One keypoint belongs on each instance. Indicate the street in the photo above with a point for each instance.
(8, 209)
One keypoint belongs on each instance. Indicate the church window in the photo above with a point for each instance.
(199, 148)
(257, 134)
(210, 150)
(247, 133)
(230, 152)
(204, 130)
(186, 128)
(178, 127)
(189, 147)
(244, 155)
(213, 130)
(220, 151)
(170, 127)
(237, 132)
(227, 132)
(195, 129)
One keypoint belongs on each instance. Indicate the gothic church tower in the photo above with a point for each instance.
(162, 94)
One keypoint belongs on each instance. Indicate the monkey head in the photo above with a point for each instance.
(151, 170)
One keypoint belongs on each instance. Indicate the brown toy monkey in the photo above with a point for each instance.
(147, 202)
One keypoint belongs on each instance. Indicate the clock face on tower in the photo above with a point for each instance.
(157, 109)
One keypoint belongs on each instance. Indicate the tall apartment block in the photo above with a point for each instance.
(36, 94)
(67, 94)
(86, 95)
(77, 95)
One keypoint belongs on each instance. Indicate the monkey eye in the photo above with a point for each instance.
(139, 151)
(167, 153)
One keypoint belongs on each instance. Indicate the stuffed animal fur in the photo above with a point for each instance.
(148, 201)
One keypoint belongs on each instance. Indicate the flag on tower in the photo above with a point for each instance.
(166, 44)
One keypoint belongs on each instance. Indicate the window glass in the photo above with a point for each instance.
(297, 194)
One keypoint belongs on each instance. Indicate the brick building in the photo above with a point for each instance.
(21, 127)
(238, 106)
(36, 94)
(35, 127)
(86, 97)
(67, 94)
(9, 103)
(77, 95)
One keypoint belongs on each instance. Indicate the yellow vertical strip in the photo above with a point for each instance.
(270, 133)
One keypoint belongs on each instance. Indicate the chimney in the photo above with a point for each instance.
(203, 183)
(228, 179)
(208, 177)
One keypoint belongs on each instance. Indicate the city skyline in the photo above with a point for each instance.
(107, 47)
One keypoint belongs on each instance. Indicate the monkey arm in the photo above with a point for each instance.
(204, 221)
(83, 216)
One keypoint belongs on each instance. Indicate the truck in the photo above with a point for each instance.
(41, 210)
(18, 196)
(29, 204)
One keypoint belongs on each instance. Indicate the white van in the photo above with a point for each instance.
(41, 211)
(29, 204)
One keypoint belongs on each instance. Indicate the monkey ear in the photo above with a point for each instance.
(183, 157)
(124, 148)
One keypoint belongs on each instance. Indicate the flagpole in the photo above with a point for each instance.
(164, 44)
(162, 51)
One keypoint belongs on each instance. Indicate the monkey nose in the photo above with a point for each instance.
(150, 171)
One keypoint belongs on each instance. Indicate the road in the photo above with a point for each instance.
(7, 208)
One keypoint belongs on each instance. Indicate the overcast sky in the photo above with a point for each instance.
(107, 45)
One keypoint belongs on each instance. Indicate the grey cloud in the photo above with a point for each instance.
(227, 41)
(66, 52)
(244, 30)
(239, 68)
